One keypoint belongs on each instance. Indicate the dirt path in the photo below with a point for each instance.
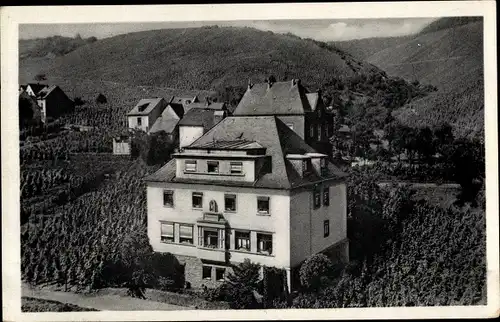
(100, 302)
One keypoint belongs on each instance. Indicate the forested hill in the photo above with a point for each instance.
(450, 59)
(51, 46)
(448, 54)
(206, 58)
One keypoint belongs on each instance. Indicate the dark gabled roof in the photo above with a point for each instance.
(199, 117)
(178, 109)
(145, 106)
(37, 87)
(269, 132)
(43, 93)
(281, 98)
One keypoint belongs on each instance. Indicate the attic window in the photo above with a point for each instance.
(143, 107)
(305, 166)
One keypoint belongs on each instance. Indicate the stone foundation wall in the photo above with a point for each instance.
(193, 272)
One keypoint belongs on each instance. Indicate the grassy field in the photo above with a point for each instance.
(30, 304)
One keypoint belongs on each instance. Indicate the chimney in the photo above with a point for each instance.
(207, 101)
(270, 81)
(250, 84)
(295, 82)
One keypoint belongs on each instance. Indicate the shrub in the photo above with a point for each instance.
(315, 270)
(101, 99)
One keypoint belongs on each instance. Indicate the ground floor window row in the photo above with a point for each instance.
(217, 238)
(216, 273)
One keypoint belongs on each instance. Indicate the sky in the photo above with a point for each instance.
(322, 30)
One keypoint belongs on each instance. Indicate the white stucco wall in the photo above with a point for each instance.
(188, 134)
(132, 123)
(245, 218)
(306, 223)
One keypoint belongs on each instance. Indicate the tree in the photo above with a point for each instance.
(101, 99)
(315, 271)
(40, 77)
(242, 283)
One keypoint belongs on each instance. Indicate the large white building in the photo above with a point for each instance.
(251, 188)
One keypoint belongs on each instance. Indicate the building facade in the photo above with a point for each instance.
(248, 188)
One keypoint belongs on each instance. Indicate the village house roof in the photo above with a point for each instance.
(268, 132)
(280, 98)
(184, 100)
(164, 124)
(199, 117)
(46, 91)
(145, 106)
(36, 87)
(209, 105)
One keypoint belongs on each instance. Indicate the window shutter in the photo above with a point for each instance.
(186, 231)
(167, 230)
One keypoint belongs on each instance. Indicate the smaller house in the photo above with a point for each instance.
(145, 113)
(53, 102)
(121, 145)
(197, 122)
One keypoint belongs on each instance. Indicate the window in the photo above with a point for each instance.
(305, 166)
(167, 232)
(319, 131)
(230, 202)
(326, 196)
(210, 238)
(139, 121)
(213, 166)
(242, 240)
(323, 166)
(326, 228)
(263, 205)
(311, 131)
(197, 200)
(236, 167)
(265, 243)
(190, 166)
(186, 234)
(290, 125)
(168, 198)
(219, 273)
(317, 198)
(207, 272)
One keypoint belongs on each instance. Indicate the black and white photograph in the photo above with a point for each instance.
(249, 162)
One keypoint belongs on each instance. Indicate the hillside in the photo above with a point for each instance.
(51, 46)
(450, 59)
(205, 58)
(364, 48)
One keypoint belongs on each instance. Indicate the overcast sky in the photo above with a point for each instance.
(323, 30)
